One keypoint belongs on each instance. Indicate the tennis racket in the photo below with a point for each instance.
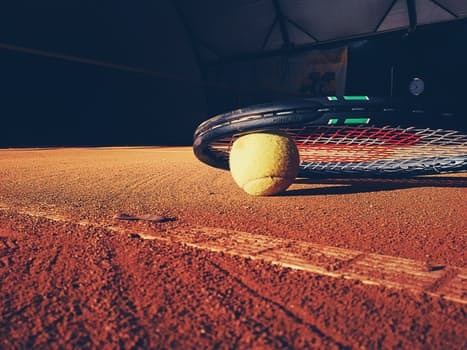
(349, 136)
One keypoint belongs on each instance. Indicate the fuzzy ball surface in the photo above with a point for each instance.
(264, 163)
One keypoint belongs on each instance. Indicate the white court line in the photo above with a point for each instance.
(447, 282)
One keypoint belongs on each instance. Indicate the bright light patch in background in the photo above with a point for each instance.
(356, 98)
(354, 121)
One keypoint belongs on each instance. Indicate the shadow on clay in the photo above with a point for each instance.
(363, 185)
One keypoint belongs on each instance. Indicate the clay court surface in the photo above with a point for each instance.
(328, 264)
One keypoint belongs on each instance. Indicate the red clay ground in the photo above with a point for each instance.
(67, 279)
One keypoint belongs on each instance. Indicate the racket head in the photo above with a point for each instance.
(349, 136)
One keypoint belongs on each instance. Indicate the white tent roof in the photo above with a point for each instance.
(223, 29)
(213, 30)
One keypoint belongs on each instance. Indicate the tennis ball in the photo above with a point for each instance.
(264, 163)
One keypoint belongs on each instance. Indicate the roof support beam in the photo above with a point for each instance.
(444, 8)
(268, 35)
(194, 42)
(411, 8)
(282, 24)
(305, 47)
(385, 15)
(303, 30)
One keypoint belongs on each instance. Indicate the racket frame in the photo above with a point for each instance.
(345, 111)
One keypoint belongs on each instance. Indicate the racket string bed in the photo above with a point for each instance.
(376, 150)
(338, 150)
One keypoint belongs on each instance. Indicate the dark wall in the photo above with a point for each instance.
(49, 101)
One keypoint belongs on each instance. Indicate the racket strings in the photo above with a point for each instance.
(337, 149)
(327, 144)
(359, 144)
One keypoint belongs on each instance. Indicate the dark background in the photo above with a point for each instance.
(45, 101)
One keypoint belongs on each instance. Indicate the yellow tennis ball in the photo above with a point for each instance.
(264, 163)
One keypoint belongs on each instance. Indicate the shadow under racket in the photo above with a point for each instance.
(350, 186)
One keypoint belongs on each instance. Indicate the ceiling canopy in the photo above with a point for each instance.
(225, 29)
